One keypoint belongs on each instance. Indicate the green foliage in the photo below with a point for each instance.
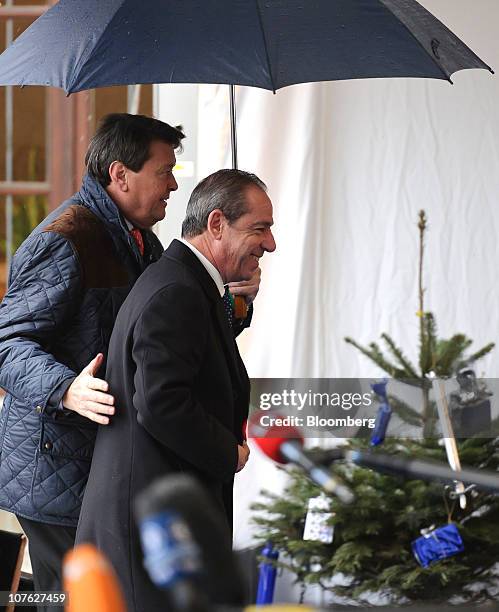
(444, 357)
(31, 210)
(404, 411)
(372, 540)
(399, 355)
(28, 211)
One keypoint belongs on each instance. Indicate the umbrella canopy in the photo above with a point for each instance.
(263, 43)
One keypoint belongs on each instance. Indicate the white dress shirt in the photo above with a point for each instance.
(210, 268)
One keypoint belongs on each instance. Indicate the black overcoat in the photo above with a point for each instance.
(181, 395)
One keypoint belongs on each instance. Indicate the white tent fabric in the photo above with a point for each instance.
(348, 166)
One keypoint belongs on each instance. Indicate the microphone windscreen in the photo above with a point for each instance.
(271, 447)
(270, 439)
(182, 496)
(90, 582)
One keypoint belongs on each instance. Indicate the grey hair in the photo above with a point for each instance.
(222, 190)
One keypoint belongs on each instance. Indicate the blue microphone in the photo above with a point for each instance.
(384, 413)
(186, 542)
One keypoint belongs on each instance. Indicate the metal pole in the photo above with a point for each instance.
(9, 156)
(233, 125)
(133, 99)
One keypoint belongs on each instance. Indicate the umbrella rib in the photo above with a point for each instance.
(260, 19)
(83, 61)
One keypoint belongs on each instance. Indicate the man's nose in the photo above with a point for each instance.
(269, 242)
(173, 185)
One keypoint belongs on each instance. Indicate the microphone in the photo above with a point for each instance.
(187, 544)
(90, 582)
(284, 444)
(423, 470)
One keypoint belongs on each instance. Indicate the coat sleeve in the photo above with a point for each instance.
(169, 346)
(43, 291)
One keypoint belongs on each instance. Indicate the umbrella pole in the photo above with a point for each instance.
(240, 306)
(233, 135)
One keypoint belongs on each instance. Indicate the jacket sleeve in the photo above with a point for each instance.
(43, 292)
(169, 347)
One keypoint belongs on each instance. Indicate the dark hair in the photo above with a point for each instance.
(222, 190)
(126, 138)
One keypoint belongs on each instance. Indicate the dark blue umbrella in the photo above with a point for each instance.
(82, 44)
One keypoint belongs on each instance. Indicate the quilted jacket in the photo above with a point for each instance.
(67, 281)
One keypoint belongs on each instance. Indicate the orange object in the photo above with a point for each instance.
(240, 307)
(90, 582)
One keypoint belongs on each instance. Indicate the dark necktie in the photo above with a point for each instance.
(228, 306)
(139, 241)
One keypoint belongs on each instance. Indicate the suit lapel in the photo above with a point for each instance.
(180, 252)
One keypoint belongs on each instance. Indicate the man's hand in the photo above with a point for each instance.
(248, 289)
(243, 455)
(87, 395)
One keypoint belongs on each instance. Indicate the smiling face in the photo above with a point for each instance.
(243, 242)
(141, 196)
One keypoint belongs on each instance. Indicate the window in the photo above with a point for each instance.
(43, 138)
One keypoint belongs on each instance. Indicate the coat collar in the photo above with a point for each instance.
(93, 195)
(180, 252)
(210, 268)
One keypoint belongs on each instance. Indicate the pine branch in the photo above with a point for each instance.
(375, 355)
(480, 354)
(383, 362)
(449, 351)
(399, 355)
(405, 412)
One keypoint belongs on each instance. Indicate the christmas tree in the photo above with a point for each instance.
(444, 357)
(371, 549)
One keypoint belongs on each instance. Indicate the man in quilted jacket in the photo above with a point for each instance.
(67, 282)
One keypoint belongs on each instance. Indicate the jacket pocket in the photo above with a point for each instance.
(62, 464)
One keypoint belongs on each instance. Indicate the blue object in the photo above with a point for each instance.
(268, 44)
(170, 553)
(384, 413)
(44, 324)
(438, 544)
(267, 576)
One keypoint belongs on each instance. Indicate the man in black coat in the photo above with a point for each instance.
(67, 282)
(180, 386)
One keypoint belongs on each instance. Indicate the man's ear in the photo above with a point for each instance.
(118, 173)
(216, 223)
